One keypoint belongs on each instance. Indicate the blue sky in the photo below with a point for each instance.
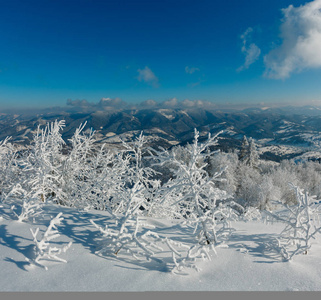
(221, 51)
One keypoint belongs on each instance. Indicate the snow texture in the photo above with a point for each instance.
(246, 265)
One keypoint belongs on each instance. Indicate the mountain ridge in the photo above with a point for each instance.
(297, 127)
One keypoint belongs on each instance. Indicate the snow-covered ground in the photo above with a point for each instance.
(246, 265)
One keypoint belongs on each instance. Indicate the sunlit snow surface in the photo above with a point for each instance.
(245, 265)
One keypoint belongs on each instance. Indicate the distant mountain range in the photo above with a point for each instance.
(282, 132)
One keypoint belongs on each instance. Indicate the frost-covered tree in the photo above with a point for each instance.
(129, 201)
(106, 179)
(228, 162)
(255, 189)
(37, 172)
(280, 176)
(308, 174)
(76, 168)
(244, 149)
(91, 176)
(248, 180)
(140, 186)
(41, 166)
(129, 231)
(248, 153)
(192, 193)
(253, 157)
(9, 169)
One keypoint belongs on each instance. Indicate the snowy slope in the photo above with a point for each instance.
(246, 265)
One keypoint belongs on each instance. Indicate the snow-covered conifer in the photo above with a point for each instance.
(244, 149)
(248, 153)
(253, 156)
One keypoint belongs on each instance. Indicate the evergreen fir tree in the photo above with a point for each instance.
(244, 149)
(253, 155)
(248, 153)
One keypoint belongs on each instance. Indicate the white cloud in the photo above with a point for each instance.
(191, 70)
(147, 75)
(252, 52)
(104, 103)
(175, 103)
(148, 103)
(301, 45)
(171, 103)
(196, 103)
(78, 103)
(112, 102)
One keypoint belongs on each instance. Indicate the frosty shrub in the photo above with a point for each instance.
(75, 169)
(129, 231)
(81, 171)
(309, 174)
(192, 195)
(229, 162)
(280, 178)
(136, 195)
(255, 189)
(92, 177)
(140, 241)
(40, 167)
(8, 168)
(300, 226)
(129, 200)
(43, 248)
(106, 179)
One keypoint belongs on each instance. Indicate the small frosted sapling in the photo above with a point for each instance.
(43, 250)
(29, 209)
(300, 226)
